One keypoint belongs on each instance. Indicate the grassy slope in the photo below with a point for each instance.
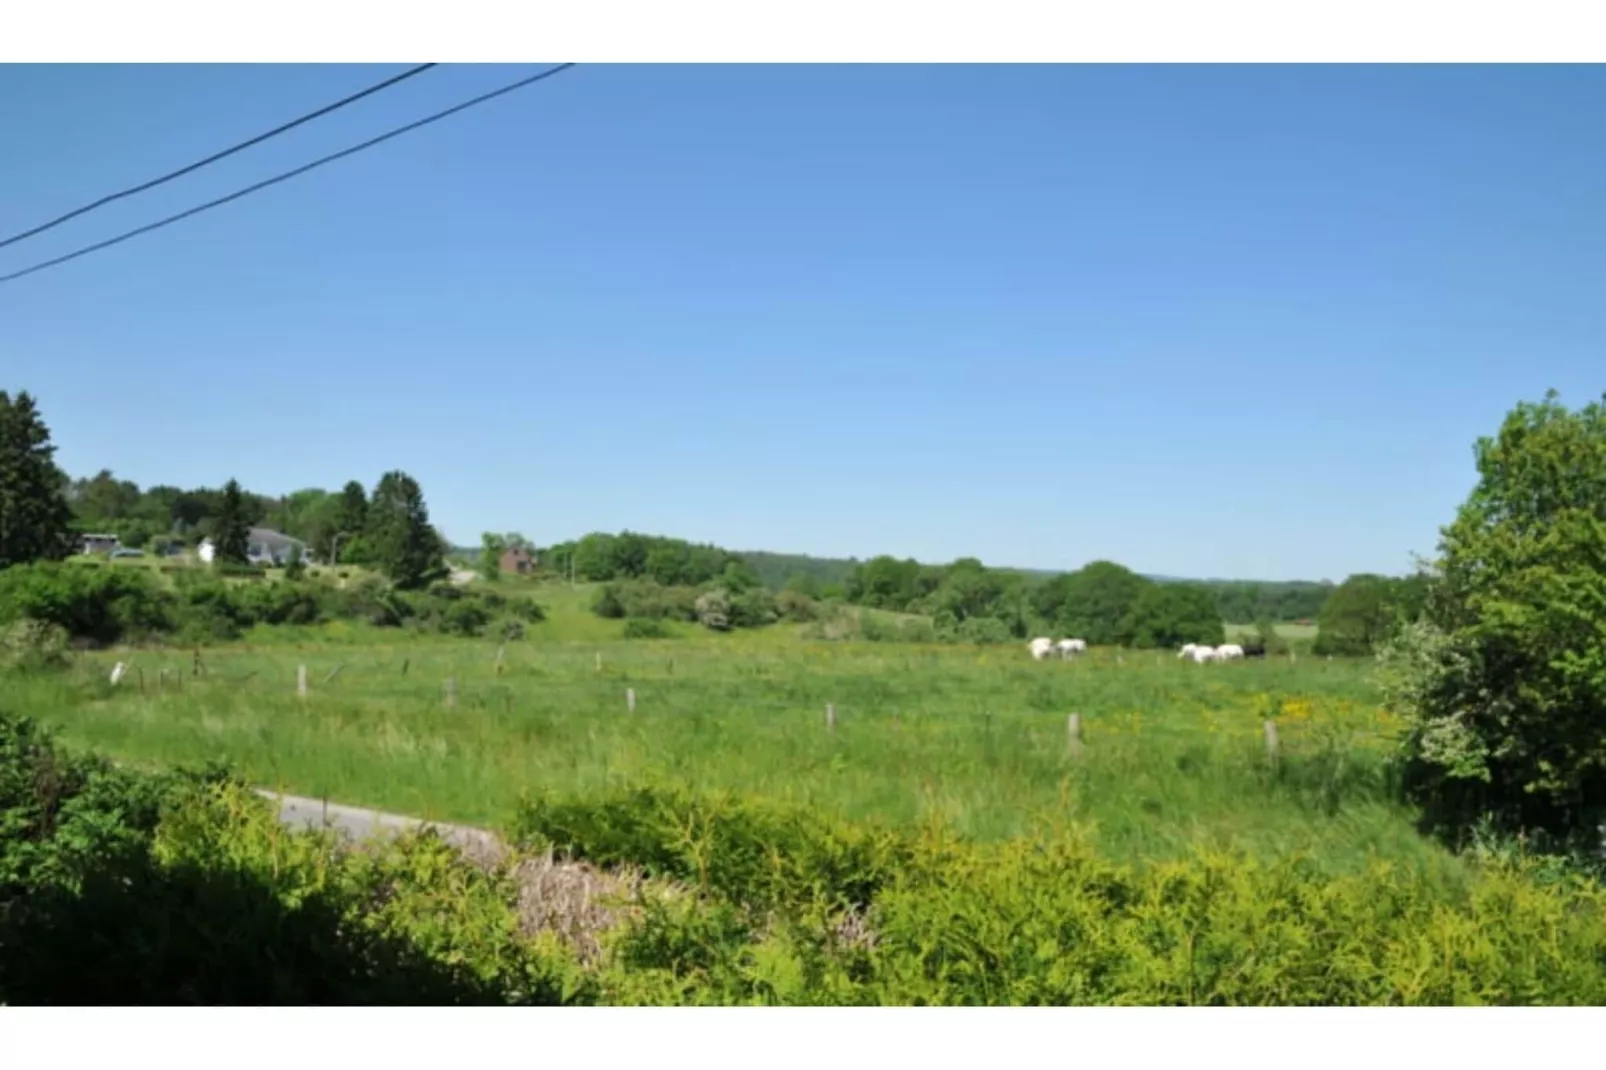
(975, 736)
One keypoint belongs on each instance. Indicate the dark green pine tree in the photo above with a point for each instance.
(35, 519)
(231, 531)
(398, 535)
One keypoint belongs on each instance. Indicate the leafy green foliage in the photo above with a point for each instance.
(1170, 614)
(492, 546)
(600, 558)
(102, 605)
(644, 628)
(1093, 603)
(714, 609)
(124, 888)
(35, 519)
(1365, 611)
(1503, 685)
(790, 908)
(645, 600)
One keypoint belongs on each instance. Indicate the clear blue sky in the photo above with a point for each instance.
(1211, 321)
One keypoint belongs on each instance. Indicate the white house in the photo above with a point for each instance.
(263, 546)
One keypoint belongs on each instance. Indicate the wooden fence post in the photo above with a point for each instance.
(1073, 735)
(406, 662)
(630, 699)
(301, 681)
(501, 651)
(1271, 741)
(161, 681)
(141, 671)
(117, 673)
(451, 692)
(830, 717)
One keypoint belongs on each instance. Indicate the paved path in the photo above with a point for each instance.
(355, 823)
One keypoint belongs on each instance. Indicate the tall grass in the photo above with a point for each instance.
(974, 736)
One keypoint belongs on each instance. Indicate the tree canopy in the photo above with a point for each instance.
(398, 534)
(1366, 610)
(232, 530)
(35, 519)
(1503, 685)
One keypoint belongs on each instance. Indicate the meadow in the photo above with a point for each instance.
(942, 842)
(1173, 755)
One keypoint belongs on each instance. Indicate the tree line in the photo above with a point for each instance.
(43, 511)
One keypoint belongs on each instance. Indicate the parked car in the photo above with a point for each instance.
(127, 552)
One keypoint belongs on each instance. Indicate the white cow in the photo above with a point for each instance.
(1187, 650)
(1040, 648)
(1070, 647)
(1202, 654)
(1228, 651)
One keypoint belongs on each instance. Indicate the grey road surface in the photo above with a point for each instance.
(355, 823)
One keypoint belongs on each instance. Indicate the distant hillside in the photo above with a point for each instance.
(1238, 601)
(775, 569)
(607, 556)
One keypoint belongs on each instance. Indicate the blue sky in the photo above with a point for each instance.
(1206, 321)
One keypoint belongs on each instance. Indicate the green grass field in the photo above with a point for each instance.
(1173, 753)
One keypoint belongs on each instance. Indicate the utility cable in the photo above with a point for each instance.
(275, 132)
(276, 179)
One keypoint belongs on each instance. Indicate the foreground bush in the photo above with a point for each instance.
(809, 912)
(120, 888)
(125, 888)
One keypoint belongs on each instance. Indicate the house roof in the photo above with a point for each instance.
(269, 537)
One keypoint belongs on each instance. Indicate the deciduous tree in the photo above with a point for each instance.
(1503, 685)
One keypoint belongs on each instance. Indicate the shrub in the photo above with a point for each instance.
(917, 630)
(32, 645)
(124, 888)
(747, 851)
(643, 628)
(645, 599)
(374, 600)
(98, 605)
(753, 608)
(526, 610)
(467, 617)
(984, 630)
(796, 606)
(713, 610)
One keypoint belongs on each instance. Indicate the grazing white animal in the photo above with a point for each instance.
(1202, 654)
(1041, 648)
(1187, 650)
(1228, 651)
(1069, 647)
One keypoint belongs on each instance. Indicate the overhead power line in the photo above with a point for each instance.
(276, 179)
(215, 157)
